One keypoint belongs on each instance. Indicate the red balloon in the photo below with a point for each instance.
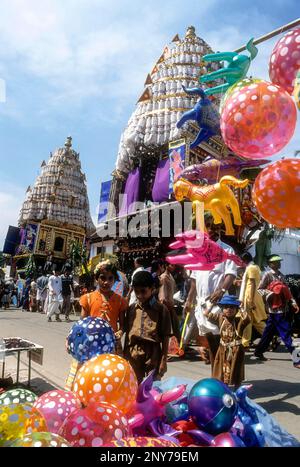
(285, 60)
(258, 120)
(95, 425)
(276, 193)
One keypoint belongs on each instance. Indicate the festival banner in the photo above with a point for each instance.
(177, 153)
(28, 236)
(104, 199)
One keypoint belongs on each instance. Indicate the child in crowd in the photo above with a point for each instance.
(103, 302)
(33, 297)
(229, 361)
(148, 328)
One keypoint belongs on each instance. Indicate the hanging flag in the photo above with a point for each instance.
(104, 199)
(177, 152)
(148, 80)
(154, 70)
(145, 96)
(161, 58)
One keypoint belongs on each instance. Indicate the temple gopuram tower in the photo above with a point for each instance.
(56, 209)
(146, 164)
(153, 123)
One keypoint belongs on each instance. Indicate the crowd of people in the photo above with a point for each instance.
(217, 313)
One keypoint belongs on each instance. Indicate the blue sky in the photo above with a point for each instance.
(77, 68)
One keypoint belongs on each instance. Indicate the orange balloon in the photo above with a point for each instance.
(107, 378)
(276, 193)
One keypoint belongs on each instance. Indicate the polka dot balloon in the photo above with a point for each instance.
(40, 440)
(18, 419)
(285, 60)
(17, 396)
(107, 378)
(95, 425)
(258, 120)
(89, 337)
(56, 406)
(143, 441)
(276, 193)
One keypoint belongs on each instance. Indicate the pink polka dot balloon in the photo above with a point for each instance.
(107, 378)
(95, 425)
(258, 120)
(56, 406)
(285, 60)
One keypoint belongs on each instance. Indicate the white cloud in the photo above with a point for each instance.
(11, 199)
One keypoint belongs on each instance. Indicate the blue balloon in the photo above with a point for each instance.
(212, 406)
(90, 337)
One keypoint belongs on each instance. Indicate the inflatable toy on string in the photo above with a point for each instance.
(108, 378)
(285, 60)
(238, 66)
(90, 337)
(213, 169)
(150, 406)
(202, 254)
(204, 114)
(258, 119)
(276, 193)
(216, 198)
(252, 431)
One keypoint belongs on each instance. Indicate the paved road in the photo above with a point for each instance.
(275, 383)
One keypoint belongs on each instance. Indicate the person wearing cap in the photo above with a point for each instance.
(279, 298)
(229, 360)
(210, 285)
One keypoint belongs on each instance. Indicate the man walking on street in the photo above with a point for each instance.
(42, 284)
(55, 296)
(67, 284)
(279, 298)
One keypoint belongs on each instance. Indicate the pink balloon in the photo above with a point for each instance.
(258, 120)
(95, 425)
(56, 406)
(285, 60)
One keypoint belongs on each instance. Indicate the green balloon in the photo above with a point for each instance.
(40, 440)
(17, 396)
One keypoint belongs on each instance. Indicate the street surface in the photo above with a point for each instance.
(275, 382)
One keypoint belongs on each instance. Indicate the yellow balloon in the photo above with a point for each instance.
(18, 419)
(216, 199)
(297, 90)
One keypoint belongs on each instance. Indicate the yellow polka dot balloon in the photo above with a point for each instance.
(40, 440)
(18, 419)
(107, 378)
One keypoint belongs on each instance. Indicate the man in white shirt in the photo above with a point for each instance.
(55, 295)
(208, 287)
